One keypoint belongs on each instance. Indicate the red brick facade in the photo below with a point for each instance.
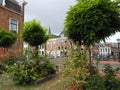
(5, 15)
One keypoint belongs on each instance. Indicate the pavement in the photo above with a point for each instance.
(110, 62)
(114, 64)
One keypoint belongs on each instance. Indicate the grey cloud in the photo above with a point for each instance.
(49, 12)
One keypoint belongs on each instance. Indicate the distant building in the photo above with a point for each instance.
(101, 49)
(12, 18)
(106, 50)
(57, 46)
(114, 50)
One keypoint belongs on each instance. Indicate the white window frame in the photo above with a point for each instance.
(10, 24)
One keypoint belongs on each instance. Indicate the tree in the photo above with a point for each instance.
(6, 39)
(93, 21)
(34, 34)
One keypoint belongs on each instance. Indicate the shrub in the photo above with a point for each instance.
(109, 71)
(9, 61)
(95, 82)
(76, 67)
(28, 72)
(3, 68)
(111, 83)
(94, 70)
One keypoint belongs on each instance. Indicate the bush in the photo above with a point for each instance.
(94, 70)
(9, 61)
(109, 71)
(95, 83)
(3, 68)
(28, 72)
(112, 83)
(76, 67)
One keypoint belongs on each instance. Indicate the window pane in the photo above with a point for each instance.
(13, 21)
(13, 25)
(1, 2)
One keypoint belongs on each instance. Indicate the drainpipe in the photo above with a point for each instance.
(22, 4)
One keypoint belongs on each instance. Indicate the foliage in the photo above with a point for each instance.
(93, 20)
(76, 67)
(9, 61)
(95, 83)
(28, 72)
(28, 54)
(94, 70)
(34, 34)
(109, 71)
(111, 83)
(3, 68)
(6, 38)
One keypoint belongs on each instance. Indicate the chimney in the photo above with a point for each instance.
(22, 4)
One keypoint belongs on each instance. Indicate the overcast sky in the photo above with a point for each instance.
(51, 13)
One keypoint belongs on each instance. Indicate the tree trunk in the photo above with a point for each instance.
(45, 49)
(90, 62)
(36, 51)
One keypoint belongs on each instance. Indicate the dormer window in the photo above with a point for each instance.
(13, 26)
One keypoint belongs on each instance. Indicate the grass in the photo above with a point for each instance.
(56, 83)
(6, 83)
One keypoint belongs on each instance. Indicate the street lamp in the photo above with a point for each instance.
(118, 49)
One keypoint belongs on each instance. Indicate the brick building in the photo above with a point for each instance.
(57, 46)
(12, 18)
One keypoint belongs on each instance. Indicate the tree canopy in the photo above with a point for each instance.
(93, 21)
(33, 33)
(7, 38)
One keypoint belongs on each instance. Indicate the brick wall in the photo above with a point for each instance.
(5, 15)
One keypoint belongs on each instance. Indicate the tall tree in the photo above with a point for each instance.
(6, 38)
(34, 34)
(93, 21)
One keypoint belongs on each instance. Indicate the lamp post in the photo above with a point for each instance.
(118, 40)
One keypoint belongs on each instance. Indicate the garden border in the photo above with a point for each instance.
(45, 79)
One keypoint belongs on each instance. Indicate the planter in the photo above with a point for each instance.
(45, 79)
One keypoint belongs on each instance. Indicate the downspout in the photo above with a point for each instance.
(22, 4)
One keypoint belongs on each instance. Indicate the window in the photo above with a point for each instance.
(65, 48)
(106, 49)
(14, 25)
(58, 48)
(1, 1)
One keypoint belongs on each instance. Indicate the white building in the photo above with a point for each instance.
(104, 50)
(57, 46)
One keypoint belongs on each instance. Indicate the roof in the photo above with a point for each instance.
(54, 36)
(13, 1)
(13, 5)
(63, 32)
